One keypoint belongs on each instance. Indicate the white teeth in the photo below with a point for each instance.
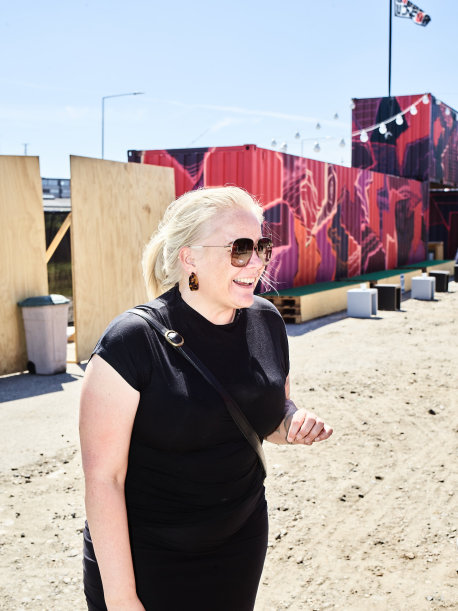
(244, 280)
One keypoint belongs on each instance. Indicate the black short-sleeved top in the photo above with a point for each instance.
(189, 466)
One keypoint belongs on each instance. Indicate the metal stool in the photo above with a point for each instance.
(361, 303)
(423, 287)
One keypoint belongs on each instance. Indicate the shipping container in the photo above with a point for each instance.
(414, 136)
(443, 220)
(328, 222)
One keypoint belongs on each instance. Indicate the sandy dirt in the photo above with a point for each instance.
(366, 520)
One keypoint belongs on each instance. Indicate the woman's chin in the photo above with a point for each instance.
(244, 298)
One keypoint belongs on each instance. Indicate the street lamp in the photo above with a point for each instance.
(116, 95)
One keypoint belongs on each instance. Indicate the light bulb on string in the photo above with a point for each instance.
(317, 126)
(284, 147)
(317, 147)
(352, 105)
(413, 110)
(273, 143)
(447, 111)
(399, 120)
(382, 128)
(297, 135)
(425, 99)
(363, 136)
(336, 116)
(342, 143)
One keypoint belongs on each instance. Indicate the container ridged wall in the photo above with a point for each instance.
(328, 222)
(424, 146)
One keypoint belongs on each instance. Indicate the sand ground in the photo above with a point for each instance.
(366, 520)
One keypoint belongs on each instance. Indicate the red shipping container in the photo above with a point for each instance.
(422, 144)
(328, 222)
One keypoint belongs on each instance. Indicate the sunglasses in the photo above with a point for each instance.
(242, 249)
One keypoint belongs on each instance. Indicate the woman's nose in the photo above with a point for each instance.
(255, 260)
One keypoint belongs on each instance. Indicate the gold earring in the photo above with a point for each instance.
(193, 282)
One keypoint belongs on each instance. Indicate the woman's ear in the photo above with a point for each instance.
(187, 260)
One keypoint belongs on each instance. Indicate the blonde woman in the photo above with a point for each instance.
(175, 501)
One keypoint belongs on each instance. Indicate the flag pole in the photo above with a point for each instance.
(389, 50)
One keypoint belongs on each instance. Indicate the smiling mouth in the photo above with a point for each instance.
(247, 282)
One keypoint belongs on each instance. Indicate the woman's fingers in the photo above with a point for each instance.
(325, 433)
(306, 428)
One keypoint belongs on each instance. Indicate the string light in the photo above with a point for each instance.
(398, 118)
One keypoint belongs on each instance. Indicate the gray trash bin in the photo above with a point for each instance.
(45, 323)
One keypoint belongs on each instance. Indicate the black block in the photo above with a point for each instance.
(442, 279)
(388, 296)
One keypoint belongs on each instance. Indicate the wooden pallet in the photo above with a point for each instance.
(289, 307)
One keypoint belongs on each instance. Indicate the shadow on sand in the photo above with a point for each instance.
(24, 385)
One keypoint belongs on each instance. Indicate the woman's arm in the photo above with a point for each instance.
(299, 426)
(107, 411)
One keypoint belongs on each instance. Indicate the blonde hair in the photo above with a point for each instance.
(185, 221)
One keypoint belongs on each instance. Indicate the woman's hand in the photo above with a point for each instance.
(305, 428)
(299, 427)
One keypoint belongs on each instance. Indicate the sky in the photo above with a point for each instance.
(211, 73)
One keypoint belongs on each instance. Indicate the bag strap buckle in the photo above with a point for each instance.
(174, 338)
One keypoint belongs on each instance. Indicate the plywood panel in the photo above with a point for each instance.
(115, 208)
(397, 279)
(22, 253)
(324, 303)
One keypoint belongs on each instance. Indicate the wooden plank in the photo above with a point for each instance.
(292, 318)
(115, 208)
(57, 239)
(22, 253)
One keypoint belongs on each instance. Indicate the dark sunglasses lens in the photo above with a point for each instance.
(264, 249)
(242, 249)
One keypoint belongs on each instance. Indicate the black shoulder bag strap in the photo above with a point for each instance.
(177, 341)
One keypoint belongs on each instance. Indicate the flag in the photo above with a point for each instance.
(405, 8)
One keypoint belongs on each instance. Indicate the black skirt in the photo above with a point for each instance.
(224, 578)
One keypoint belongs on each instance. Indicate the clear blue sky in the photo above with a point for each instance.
(213, 73)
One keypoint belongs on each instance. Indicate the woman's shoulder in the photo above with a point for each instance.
(131, 323)
(262, 305)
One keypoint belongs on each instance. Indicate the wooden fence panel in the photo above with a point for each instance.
(22, 253)
(115, 208)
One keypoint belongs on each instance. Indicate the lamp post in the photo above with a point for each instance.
(116, 95)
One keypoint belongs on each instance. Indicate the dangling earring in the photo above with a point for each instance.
(193, 282)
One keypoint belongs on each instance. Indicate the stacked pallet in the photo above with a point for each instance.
(289, 307)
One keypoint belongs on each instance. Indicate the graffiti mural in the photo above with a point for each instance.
(327, 222)
(443, 220)
(424, 146)
(444, 135)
